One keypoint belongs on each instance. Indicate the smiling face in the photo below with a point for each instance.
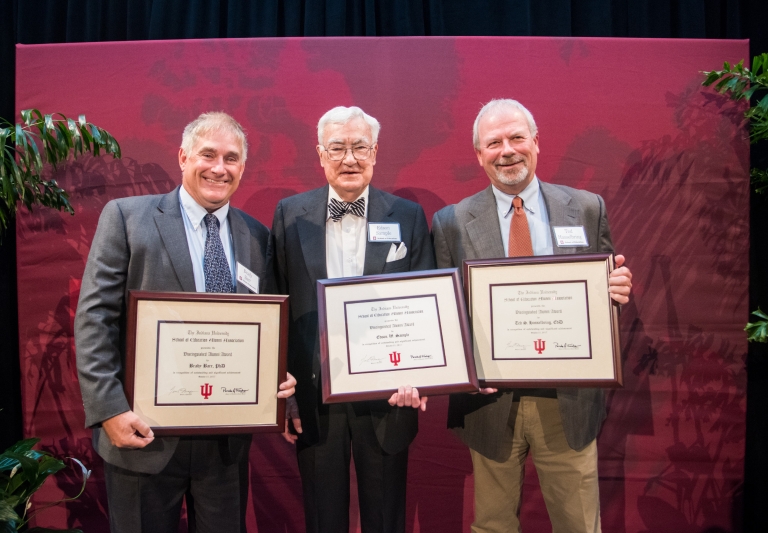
(348, 177)
(212, 170)
(507, 150)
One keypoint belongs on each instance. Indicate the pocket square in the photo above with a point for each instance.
(396, 252)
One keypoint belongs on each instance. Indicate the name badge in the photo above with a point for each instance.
(247, 278)
(384, 232)
(566, 236)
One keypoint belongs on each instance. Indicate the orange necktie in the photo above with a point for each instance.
(519, 236)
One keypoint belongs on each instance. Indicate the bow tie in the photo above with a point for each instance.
(339, 209)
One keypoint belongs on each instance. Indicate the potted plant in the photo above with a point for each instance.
(22, 160)
(741, 83)
(22, 471)
(25, 149)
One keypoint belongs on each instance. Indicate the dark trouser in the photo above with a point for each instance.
(216, 489)
(324, 468)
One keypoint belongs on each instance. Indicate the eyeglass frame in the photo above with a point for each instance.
(349, 149)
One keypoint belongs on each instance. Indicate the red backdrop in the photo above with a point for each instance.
(625, 118)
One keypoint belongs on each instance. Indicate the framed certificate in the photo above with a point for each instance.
(380, 332)
(545, 321)
(206, 363)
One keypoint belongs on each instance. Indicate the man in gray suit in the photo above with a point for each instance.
(323, 234)
(518, 215)
(187, 240)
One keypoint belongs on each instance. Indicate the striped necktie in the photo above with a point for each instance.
(339, 209)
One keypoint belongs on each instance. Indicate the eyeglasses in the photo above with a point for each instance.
(338, 152)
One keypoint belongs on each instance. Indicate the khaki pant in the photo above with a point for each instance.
(568, 477)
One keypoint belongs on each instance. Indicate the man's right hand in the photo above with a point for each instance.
(292, 415)
(127, 430)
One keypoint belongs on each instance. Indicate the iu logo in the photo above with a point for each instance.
(394, 358)
(539, 345)
(206, 390)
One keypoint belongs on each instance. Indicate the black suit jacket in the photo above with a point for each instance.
(297, 256)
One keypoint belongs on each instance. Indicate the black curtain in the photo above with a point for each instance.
(59, 21)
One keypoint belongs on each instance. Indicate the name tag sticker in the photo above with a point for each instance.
(384, 232)
(566, 236)
(247, 278)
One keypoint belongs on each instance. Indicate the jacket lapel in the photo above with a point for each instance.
(483, 230)
(379, 210)
(170, 225)
(311, 228)
(242, 244)
(560, 211)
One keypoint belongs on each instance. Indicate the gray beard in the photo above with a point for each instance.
(513, 180)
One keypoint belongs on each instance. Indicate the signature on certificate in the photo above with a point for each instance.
(566, 346)
(515, 345)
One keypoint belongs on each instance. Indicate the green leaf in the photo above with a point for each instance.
(759, 180)
(23, 446)
(720, 87)
(757, 331)
(7, 513)
(749, 92)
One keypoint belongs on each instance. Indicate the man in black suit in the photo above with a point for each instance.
(323, 234)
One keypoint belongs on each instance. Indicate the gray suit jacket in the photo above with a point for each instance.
(141, 244)
(470, 230)
(297, 255)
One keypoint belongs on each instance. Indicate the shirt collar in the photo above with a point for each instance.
(196, 212)
(529, 195)
(333, 194)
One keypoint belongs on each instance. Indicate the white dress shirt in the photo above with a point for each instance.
(345, 241)
(193, 215)
(535, 211)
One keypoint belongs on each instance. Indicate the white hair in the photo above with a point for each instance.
(212, 122)
(501, 104)
(342, 115)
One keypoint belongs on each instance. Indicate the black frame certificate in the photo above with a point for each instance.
(381, 332)
(206, 363)
(545, 321)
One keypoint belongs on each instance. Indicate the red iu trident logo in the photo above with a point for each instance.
(539, 345)
(394, 357)
(206, 390)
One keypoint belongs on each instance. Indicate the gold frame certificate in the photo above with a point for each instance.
(545, 321)
(206, 363)
(380, 332)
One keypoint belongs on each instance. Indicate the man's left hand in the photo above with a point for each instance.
(620, 282)
(408, 397)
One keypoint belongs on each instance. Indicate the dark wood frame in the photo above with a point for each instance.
(325, 284)
(276, 426)
(615, 341)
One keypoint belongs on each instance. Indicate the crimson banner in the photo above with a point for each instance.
(625, 118)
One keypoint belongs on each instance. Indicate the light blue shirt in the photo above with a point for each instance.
(193, 215)
(536, 212)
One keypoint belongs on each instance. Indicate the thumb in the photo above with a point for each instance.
(143, 428)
